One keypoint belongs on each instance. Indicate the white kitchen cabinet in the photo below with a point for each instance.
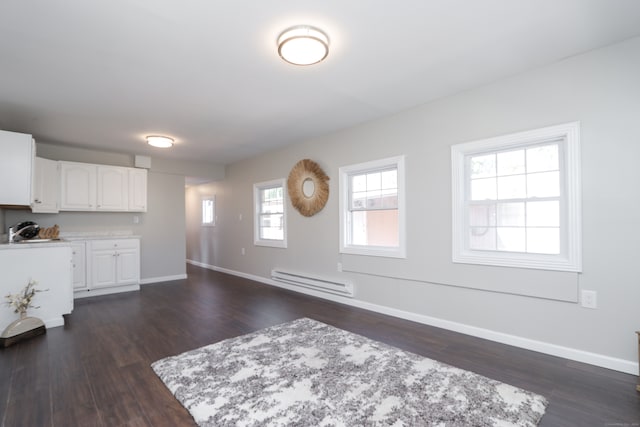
(17, 151)
(103, 268)
(128, 266)
(79, 265)
(113, 188)
(137, 190)
(114, 262)
(49, 264)
(77, 186)
(91, 187)
(45, 186)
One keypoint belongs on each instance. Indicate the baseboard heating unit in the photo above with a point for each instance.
(344, 288)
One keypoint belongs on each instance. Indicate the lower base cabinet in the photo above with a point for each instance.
(112, 265)
(79, 264)
(49, 266)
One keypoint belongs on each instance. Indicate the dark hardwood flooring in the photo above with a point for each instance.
(95, 370)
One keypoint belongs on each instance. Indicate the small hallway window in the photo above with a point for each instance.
(208, 211)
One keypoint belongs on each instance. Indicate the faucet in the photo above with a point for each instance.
(14, 234)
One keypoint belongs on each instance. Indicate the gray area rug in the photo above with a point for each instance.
(306, 373)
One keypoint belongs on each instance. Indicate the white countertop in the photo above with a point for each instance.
(90, 235)
(30, 244)
(66, 238)
(96, 236)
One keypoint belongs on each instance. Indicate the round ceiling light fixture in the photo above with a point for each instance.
(303, 45)
(159, 141)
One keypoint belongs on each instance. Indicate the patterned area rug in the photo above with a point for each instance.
(306, 373)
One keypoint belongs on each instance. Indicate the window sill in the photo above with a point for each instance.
(505, 259)
(271, 243)
(374, 251)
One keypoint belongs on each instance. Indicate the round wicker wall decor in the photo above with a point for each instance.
(308, 187)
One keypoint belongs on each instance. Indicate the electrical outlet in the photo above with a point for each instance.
(339, 266)
(239, 217)
(589, 299)
(242, 251)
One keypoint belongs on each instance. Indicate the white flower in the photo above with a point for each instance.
(21, 301)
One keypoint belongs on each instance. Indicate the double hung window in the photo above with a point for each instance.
(270, 227)
(372, 208)
(516, 200)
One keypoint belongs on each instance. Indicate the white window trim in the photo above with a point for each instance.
(569, 259)
(344, 173)
(213, 222)
(256, 213)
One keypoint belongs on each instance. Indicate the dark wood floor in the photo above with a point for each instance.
(95, 370)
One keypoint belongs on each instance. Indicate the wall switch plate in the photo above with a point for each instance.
(589, 299)
(242, 251)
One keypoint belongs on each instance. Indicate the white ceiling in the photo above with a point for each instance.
(105, 74)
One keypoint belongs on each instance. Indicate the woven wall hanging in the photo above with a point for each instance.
(308, 187)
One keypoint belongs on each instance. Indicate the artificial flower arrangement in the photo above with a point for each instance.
(21, 301)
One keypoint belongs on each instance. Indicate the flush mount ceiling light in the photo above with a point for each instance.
(160, 141)
(303, 45)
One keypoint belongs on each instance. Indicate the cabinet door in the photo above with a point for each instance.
(113, 188)
(77, 186)
(114, 262)
(138, 190)
(45, 186)
(16, 168)
(103, 269)
(79, 264)
(128, 269)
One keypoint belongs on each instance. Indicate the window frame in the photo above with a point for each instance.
(570, 257)
(345, 172)
(257, 188)
(203, 199)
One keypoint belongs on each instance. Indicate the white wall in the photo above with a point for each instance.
(600, 89)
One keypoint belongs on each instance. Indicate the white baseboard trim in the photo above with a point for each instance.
(201, 264)
(626, 366)
(84, 293)
(163, 279)
(53, 322)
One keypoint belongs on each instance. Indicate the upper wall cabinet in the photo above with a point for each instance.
(138, 190)
(89, 187)
(113, 188)
(77, 186)
(16, 167)
(45, 186)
